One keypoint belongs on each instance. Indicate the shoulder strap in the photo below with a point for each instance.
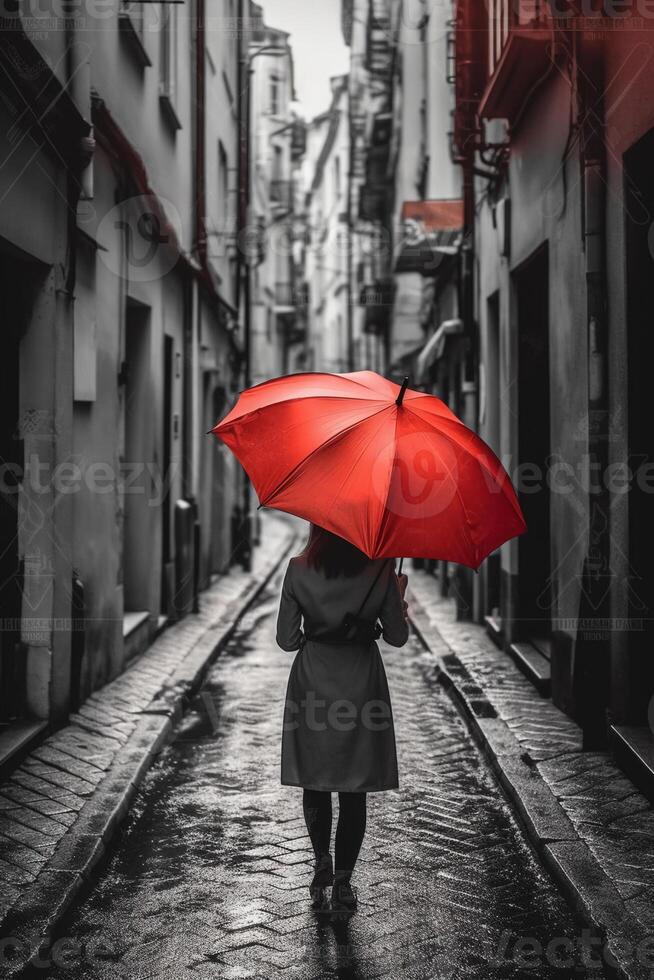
(369, 592)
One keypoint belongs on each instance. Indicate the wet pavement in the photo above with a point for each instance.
(209, 877)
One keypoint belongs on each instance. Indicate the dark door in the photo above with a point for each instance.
(12, 661)
(534, 601)
(639, 219)
(491, 432)
(166, 437)
(137, 542)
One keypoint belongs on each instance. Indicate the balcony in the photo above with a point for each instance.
(520, 55)
(281, 194)
(379, 52)
(431, 232)
(373, 206)
(470, 75)
(291, 296)
(302, 296)
(377, 298)
(293, 327)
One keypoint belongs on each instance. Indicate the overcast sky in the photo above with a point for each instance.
(318, 48)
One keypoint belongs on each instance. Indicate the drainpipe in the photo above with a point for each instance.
(467, 376)
(78, 74)
(200, 175)
(591, 669)
(467, 67)
(192, 331)
(241, 515)
(190, 288)
(350, 235)
(48, 693)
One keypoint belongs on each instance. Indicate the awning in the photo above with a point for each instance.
(525, 63)
(404, 364)
(433, 349)
(430, 234)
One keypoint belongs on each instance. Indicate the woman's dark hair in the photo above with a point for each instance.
(332, 555)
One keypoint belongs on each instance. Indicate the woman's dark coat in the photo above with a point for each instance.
(338, 730)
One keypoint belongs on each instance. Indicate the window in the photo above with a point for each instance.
(168, 65)
(168, 75)
(135, 13)
(278, 160)
(223, 186)
(223, 176)
(275, 95)
(131, 23)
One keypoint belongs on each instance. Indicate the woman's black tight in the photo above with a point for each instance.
(350, 829)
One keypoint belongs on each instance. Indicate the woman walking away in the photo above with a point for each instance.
(338, 734)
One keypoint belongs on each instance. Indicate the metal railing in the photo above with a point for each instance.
(291, 294)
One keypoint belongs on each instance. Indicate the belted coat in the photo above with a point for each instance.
(338, 733)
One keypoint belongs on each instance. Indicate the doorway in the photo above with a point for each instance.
(639, 219)
(166, 442)
(531, 282)
(137, 545)
(491, 433)
(12, 661)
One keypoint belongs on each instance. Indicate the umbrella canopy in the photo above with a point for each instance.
(391, 470)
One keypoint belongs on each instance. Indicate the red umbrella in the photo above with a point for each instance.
(390, 469)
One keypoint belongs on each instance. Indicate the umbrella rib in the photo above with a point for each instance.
(285, 401)
(384, 520)
(365, 448)
(451, 439)
(466, 522)
(294, 472)
(467, 526)
(306, 374)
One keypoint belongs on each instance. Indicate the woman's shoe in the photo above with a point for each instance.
(323, 878)
(344, 896)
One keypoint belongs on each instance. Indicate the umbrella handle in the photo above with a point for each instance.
(400, 568)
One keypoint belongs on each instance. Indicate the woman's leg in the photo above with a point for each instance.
(318, 816)
(350, 830)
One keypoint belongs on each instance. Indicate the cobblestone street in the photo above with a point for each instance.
(209, 878)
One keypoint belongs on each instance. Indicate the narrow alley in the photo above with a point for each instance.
(209, 877)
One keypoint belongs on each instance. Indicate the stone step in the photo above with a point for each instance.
(494, 629)
(543, 645)
(137, 633)
(17, 740)
(533, 665)
(633, 748)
